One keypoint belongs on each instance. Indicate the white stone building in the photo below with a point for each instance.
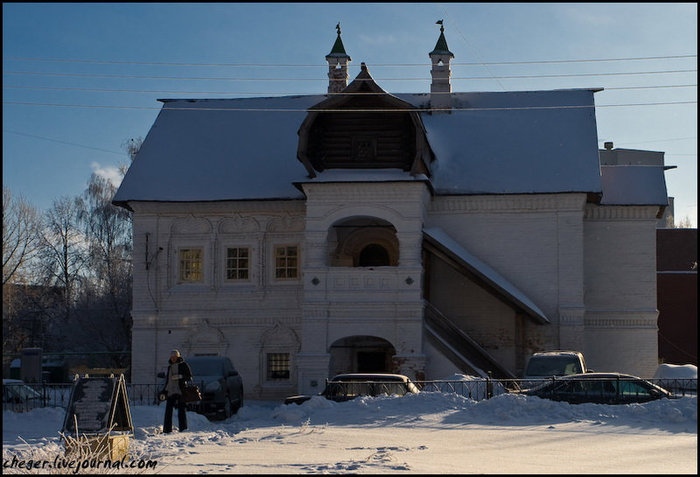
(359, 230)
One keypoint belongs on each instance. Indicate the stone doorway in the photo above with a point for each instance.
(361, 354)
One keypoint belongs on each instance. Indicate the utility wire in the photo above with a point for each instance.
(102, 90)
(366, 110)
(657, 140)
(87, 75)
(474, 50)
(424, 65)
(62, 142)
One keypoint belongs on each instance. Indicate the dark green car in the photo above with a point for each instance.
(599, 388)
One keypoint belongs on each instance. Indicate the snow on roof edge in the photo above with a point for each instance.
(486, 272)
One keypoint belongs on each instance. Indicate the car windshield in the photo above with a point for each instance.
(206, 367)
(553, 366)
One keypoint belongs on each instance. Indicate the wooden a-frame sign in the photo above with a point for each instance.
(98, 406)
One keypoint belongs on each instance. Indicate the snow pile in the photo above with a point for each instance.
(502, 409)
(676, 371)
(511, 409)
(421, 433)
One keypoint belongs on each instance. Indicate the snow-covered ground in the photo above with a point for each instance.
(423, 433)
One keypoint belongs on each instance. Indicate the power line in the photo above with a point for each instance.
(204, 78)
(659, 140)
(104, 90)
(62, 142)
(262, 65)
(475, 52)
(354, 110)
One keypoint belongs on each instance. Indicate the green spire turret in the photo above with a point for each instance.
(441, 45)
(338, 50)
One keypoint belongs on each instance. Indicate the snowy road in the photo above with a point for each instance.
(426, 433)
(579, 448)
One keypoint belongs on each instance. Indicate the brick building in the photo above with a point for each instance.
(677, 288)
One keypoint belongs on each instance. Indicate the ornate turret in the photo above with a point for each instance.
(440, 88)
(337, 65)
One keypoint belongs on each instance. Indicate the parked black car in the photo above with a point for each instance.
(220, 384)
(600, 388)
(345, 387)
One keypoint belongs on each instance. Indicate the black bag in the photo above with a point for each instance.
(191, 393)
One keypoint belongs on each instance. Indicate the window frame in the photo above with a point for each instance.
(179, 264)
(269, 363)
(274, 268)
(226, 258)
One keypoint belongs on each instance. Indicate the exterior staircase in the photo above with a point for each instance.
(459, 347)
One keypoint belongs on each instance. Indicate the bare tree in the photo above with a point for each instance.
(20, 242)
(105, 307)
(132, 147)
(63, 251)
(685, 223)
(20, 235)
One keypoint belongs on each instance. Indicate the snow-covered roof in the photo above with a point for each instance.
(515, 143)
(486, 273)
(246, 149)
(202, 150)
(365, 175)
(634, 185)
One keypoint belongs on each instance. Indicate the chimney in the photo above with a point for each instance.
(440, 88)
(337, 65)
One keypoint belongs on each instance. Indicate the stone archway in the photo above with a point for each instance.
(351, 237)
(361, 354)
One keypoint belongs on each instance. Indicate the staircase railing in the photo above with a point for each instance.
(460, 348)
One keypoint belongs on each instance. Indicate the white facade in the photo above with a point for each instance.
(302, 268)
(590, 268)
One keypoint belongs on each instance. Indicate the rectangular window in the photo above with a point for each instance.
(191, 263)
(286, 262)
(237, 264)
(277, 366)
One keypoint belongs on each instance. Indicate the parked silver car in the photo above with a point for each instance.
(552, 363)
(345, 387)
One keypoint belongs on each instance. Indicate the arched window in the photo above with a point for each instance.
(363, 242)
(373, 255)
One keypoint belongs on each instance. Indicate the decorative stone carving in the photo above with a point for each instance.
(238, 224)
(280, 336)
(191, 225)
(286, 223)
(206, 339)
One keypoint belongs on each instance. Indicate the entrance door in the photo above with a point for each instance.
(371, 362)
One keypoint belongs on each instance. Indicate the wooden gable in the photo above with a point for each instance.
(363, 127)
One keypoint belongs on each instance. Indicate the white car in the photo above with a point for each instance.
(345, 387)
(544, 365)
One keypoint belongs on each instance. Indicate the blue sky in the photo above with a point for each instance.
(142, 52)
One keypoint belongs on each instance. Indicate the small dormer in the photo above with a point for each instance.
(363, 127)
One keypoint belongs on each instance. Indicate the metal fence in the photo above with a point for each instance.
(20, 397)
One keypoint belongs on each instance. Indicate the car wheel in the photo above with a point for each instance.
(228, 408)
(238, 405)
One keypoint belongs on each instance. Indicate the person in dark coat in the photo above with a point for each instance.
(178, 374)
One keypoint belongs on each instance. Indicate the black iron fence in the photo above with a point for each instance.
(21, 397)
